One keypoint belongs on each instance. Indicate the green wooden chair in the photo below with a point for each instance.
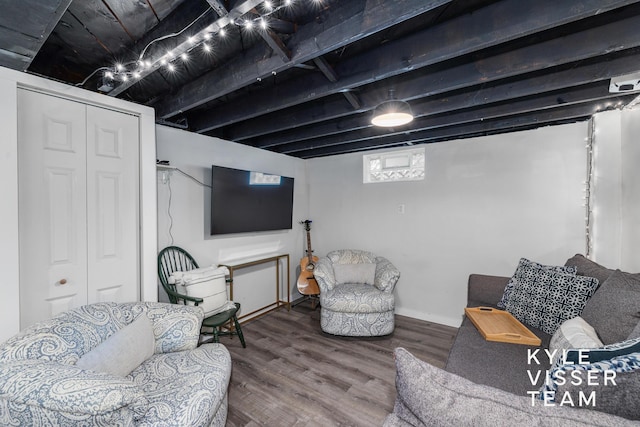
(174, 258)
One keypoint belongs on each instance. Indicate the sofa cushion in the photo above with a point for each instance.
(358, 298)
(608, 375)
(573, 333)
(589, 268)
(185, 388)
(620, 399)
(436, 397)
(122, 352)
(355, 273)
(544, 298)
(497, 359)
(525, 262)
(614, 310)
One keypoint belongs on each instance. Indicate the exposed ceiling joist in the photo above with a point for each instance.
(346, 23)
(476, 96)
(503, 124)
(541, 102)
(186, 45)
(467, 67)
(25, 27)
(434, 45)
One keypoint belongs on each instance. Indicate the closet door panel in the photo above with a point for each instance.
(112, 205)
(52, 205)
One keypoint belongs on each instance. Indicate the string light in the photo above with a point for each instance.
(250, 21)
(588, 205)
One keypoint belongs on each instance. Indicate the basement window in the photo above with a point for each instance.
(402, 165)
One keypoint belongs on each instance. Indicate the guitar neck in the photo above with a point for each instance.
(309, 251)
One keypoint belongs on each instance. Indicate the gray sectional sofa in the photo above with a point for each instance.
(487, 382)
(109, 364)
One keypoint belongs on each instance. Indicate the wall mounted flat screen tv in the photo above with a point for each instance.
(246, 201)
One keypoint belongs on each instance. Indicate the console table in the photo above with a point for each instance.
(279, 302)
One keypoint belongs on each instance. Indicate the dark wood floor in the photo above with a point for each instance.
(293, 374)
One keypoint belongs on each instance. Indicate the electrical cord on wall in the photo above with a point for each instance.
(169, 214)
(168, 182)
(192, 178)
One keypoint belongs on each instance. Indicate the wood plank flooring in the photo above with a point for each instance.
(293, 374)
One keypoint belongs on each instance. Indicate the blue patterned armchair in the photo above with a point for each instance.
(356, 293)
(114, 364)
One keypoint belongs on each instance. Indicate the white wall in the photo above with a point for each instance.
(616, 189)
(190, 207)
(10, 80)
(485, 202)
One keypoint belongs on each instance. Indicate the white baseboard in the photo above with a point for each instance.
(430, 317)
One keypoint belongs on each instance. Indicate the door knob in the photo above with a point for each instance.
(62, 281)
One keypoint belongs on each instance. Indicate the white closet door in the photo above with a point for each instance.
(52, 205)
(112, 205)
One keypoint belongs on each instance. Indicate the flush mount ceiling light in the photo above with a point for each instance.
(392, 113)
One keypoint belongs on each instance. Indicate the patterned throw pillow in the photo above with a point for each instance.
(525, 262)
(544, 298)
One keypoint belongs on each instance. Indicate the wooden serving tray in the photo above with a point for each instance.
(501, 326)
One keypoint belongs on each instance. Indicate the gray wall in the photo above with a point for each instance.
(485, 202)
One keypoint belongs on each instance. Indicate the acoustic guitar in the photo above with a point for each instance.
(307, 285)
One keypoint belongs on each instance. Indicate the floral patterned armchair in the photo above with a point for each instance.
(356, 293)
(45, 381)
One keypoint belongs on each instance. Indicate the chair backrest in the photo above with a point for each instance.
(170, 259)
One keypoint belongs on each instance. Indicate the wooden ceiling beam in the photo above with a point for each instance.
(511, 64)
(276, 44)
(346, 22)
(548, 101)
(328, 71)
(556, 80)
(25, 27)
(218, 7)
(465, 34)
(501, 125)
(186, 46)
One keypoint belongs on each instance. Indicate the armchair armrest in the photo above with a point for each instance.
(484, 290)
(35, 389)
(387, 275)
(176, 327)
(324, 275)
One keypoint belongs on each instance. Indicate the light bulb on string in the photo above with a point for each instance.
(139, 68)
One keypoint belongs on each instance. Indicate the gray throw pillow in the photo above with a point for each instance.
(586, 267)
(123, 351)
(614, 310)
(355, 273)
